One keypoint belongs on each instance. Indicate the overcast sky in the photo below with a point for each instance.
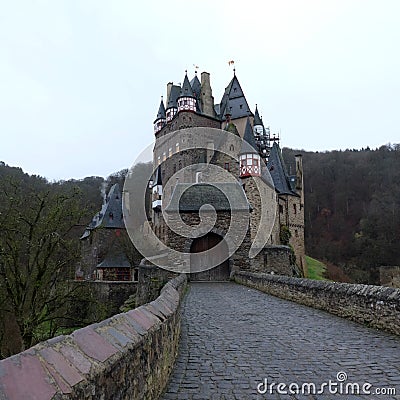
(80, 81)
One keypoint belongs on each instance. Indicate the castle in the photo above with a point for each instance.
(206, 154)
(222, 155)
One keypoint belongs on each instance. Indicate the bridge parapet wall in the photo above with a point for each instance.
(375, 306)
(128, 356)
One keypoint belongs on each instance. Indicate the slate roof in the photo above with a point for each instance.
(249, 145)
(277, 169)
(196, 86)
(161, 111)
(228, 109)
(257, 119)
(237, 101)
(157, 177)
(190, 197)
(116, 260)
(186, 90)
(110, 215)
(173, 96)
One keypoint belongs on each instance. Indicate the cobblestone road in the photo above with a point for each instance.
(233, 338)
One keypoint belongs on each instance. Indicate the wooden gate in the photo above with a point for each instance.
(218, 273)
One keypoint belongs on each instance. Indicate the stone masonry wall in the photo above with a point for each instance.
(376, 306)
(107, 295)
(128, 356)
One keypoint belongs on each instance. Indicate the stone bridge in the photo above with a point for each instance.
(236, 342)
(234, 337)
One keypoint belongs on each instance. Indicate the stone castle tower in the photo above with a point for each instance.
(258, 187)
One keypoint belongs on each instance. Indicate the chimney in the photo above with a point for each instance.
(206, 97)
(169, 86)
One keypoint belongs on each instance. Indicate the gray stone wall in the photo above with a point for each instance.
(129, 356)
(151, 280)
(375, 306)
(273, 260)
(107, 295)
(189, 119)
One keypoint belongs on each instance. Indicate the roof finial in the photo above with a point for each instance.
(234, 71)
(185, 71)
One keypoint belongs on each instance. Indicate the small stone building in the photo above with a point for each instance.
(107, 252)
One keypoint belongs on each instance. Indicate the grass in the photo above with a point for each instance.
(316, 269)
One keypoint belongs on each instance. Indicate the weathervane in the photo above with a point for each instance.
(231, 62)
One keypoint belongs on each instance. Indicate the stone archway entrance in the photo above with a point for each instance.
(218, 273)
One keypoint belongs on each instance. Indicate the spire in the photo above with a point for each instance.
(257, 119)
(187, 99)
(228, 109)
(238, 103)
(161, 110)
(186, 90)
(249, 145)
(160, 120)
(157, 190)
(157, 178)
(277, 169)
(196, 86)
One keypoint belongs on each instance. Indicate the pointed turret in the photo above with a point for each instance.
(160, 120)
(187, 99)
(257, 119)
(196, 86)
(228, 112)
(237, 100)
(157, 190)
(277, 169)
(172, 106)
(249, 157)
(261, 134)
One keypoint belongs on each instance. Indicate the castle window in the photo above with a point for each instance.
(296, 233)
(280, 209)
(159, 160)
(164, 156)
(241, 106)
(295, 208)
(226, 166)
(170, 152)
(177, 148)
(180, 164)
(234, 89)
(111, 215)
(174, 168)
(231, 148)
